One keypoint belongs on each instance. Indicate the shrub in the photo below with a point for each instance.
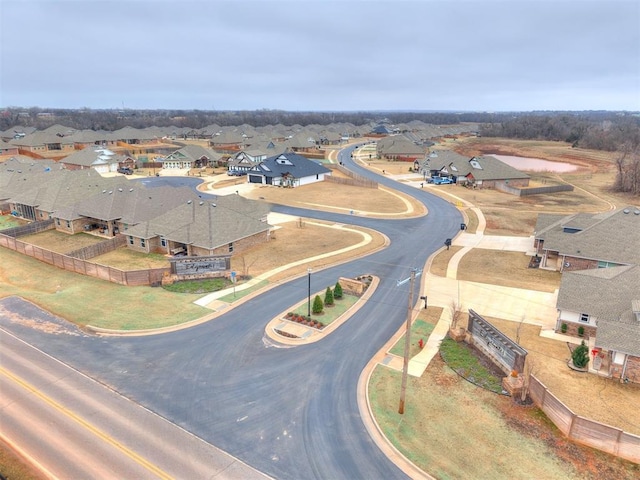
(580, 355)
(328, 297)
(318, 306)
(563, 328)
(337, 291)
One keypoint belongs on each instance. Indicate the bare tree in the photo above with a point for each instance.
(518, 329)
(529, 367)
(246, 265)
(456, 314)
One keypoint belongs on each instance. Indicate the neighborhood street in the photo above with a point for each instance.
(288, 412)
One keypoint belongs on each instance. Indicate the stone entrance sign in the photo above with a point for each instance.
(503, 351)
(200, 266)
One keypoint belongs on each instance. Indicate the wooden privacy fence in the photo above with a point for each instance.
(152, 276)
(594, 434)
(101, 248)
(29, 228)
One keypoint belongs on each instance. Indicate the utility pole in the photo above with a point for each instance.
(407, 336)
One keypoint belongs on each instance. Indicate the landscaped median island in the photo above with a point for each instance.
(327, 312)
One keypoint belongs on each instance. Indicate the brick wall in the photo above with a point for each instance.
(576, 263)
(572, 330)
(241, 245)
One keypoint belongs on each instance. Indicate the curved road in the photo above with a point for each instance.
(289, 412)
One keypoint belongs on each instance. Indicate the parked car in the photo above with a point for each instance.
(440, 180)
(125, 170)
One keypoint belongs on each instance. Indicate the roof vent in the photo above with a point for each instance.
(104, 191)
(110, 192)
(213, 204)
(131, 189)
(201, 203)
(636, 212)
(188, 202)
(120, 189)
(626, 211)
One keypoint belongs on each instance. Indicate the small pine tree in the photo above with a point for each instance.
(580, 355)
(328, 297)
(318, 306)
(337, 291)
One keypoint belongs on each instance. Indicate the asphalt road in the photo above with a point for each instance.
(288, 412)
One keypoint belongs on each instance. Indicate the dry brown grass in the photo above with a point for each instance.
(328, 196)
(440, 262)
(508, 269)
(293, 243)
(591, 396)
(61, 242)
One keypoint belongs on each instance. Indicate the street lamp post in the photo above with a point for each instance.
(309, 292)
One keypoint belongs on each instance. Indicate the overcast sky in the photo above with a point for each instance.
(313, 55)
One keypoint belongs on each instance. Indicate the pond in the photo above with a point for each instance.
(536, 164)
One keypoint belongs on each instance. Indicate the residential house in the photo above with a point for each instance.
(190, 156)
(478, 172)
(100, 159)
(399, 148)
(599, 295)
(198, 227)
(7, 149)
(288, 170)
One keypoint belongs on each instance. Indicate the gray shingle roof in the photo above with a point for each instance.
(289, 163)
(611, 236)
(207, 224)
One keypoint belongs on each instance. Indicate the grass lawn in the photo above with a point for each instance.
(509, 269)
(455, 430)
(61, 242)
(199, 286)
(126, 259)
(13, 467)
(420, 329)
(9, 221)
(460, 358)
(329, 314)
(88, 301)
(441, 261)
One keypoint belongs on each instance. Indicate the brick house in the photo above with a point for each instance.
(599, 295)
(199, 227)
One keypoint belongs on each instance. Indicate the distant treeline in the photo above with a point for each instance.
(601, 130)
(608, 131)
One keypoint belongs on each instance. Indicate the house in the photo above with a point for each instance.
(599, 295)
(118, 207)
(245, 160)
(101, 159)
(190, 156)
(399, 148)
(603, 306)
(478, 172)
(587, 241)
(55, 141)
(227, 225)
(7, 150)
(288, 170)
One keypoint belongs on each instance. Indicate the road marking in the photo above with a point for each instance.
(96, 431)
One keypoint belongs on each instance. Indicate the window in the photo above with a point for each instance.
(130, 240)
(142, 243)
(68, 224)
(163, 241)
(231, 247)
(584, 317)
(58, 221)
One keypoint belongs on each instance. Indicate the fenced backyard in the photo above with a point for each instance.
(152, 276)
(583, 430)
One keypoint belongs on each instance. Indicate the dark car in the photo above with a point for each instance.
(125, 170)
